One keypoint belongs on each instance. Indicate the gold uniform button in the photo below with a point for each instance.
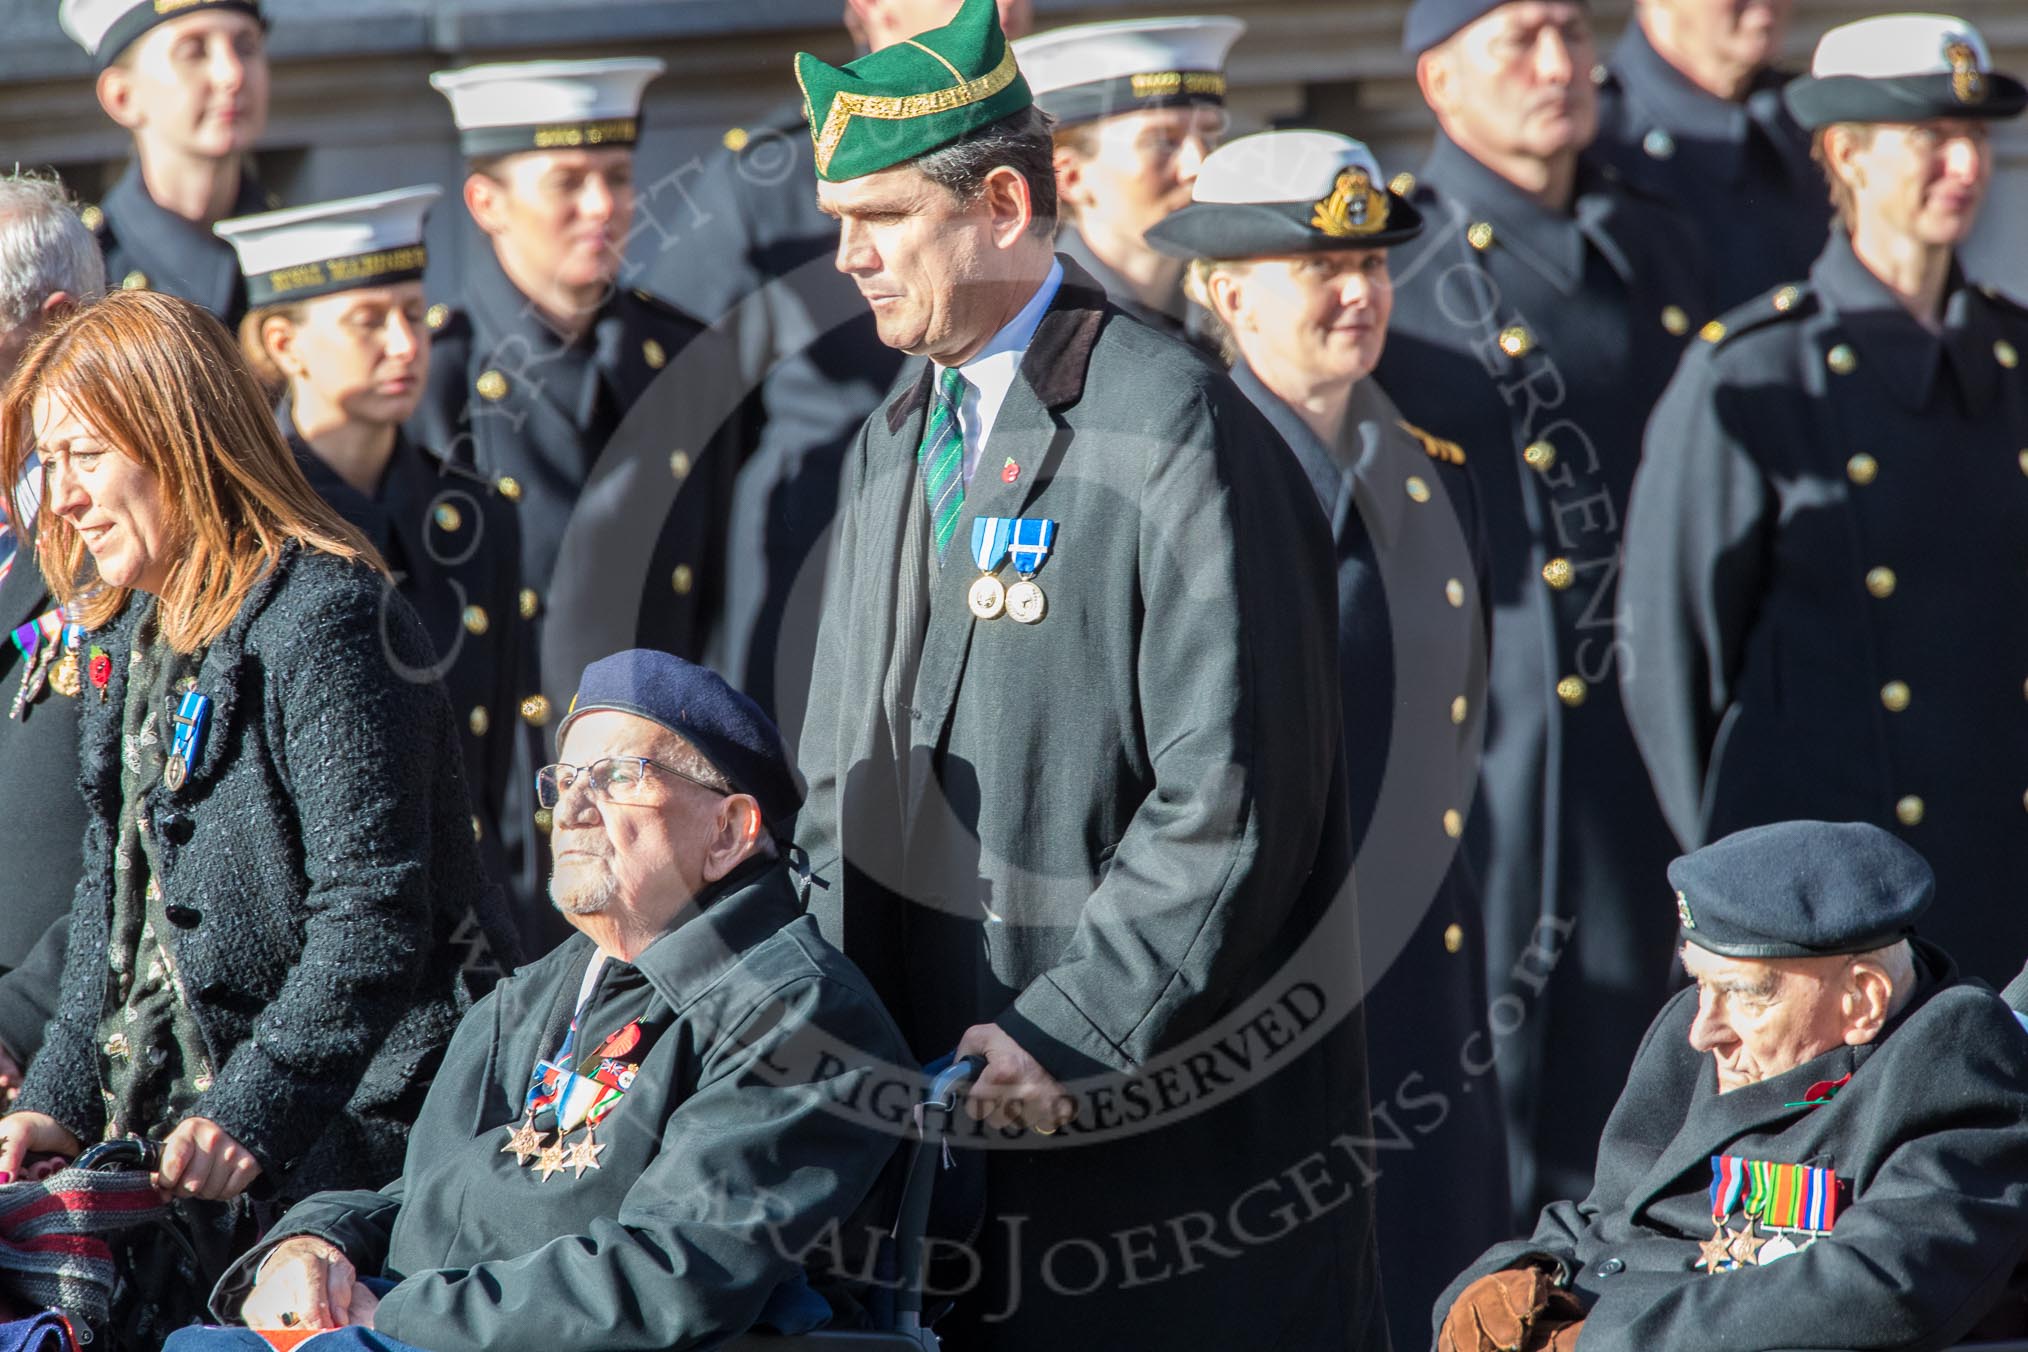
(531, 603)
(1573, 691)
(2022, 460)
(1402, 184)
(535, 711)
(478, 831)
(683, 579)
(1418, 491)
(1712, 332)
(1676, 320)
(492, 385)
(1460, 707)
(1786, 298)
(1881, 582)
(439, 314)
(1516, 341)
(136, 280)
(1895, 696)
(2024, 800)
(1558, 574)
(1454, 938)
(1540, 456)
(735, 139)
(1909, 811)
(509, 486)
(1842, 360)
(479, 721)
(1480, 235)
(655, 354)
(1862, 468)
(1454, 592)
(679, 464)
(477, 621)
(116, 1046)
(2004, 353)
(544, 818)
(1454, 823)
(92, 217)
(448, 517)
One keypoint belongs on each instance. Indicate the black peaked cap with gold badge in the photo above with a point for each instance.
(1902, 68)
(1287, 192)
(1801, 890)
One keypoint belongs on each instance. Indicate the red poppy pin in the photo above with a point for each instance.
(1010, 471)
(100, 671)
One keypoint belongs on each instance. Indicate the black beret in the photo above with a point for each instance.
(696, 704)
(1801, 890)
(1429, 22)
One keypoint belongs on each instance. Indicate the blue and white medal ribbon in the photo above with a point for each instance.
(990, 536)
(192, 714)
(1033, 538)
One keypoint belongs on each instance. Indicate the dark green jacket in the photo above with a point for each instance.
(728, 1154)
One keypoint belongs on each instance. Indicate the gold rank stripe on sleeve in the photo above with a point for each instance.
(1449, 452)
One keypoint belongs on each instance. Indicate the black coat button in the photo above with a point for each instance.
(181, 916)
(1612, 1267)
(175, 828)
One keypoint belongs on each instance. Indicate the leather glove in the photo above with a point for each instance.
(1496, 1312)
(1559, 1337)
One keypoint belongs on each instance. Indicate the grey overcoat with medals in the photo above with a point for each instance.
(1120, 834)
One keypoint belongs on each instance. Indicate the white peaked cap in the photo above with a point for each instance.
(1893, 46)
(332, 246)
(1281, 166)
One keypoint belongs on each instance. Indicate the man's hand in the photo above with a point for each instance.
(200, 1160)
(305, 1283)
(1013, 1090)
(26, 1134)
(1501, 1310)
(365, 1305)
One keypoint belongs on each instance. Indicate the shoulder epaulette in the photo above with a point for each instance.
(668, 309)
(1448, 452)
(2003, 300)
(1784, 302)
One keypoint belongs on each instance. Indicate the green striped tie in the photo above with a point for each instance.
(942, 458)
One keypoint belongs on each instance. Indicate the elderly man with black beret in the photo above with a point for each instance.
(1823, 1143)
(632, 1141)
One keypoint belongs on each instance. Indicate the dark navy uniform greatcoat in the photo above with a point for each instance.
(1929, 1140)
(536, 418)
(1112, 832)
(1539, 342)
(42, 820)
(748, 237)
(148, 247)
(1412, 631)
(1739, 173)
(726, 1159)
(1827, 570)
(452, 542)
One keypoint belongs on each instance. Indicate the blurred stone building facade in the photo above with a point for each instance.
(353, 111)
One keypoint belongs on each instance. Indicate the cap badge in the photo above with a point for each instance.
(1968, 82)
(1354, 208)
(1683, 912)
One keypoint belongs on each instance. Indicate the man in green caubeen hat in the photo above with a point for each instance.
(1076, 781)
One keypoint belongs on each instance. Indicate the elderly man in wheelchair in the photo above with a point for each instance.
(634, 1142)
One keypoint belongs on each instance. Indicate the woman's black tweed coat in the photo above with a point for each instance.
(319, 876)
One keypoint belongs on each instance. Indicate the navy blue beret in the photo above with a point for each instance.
(1429, 22)
(1801, 890)
(696, 704)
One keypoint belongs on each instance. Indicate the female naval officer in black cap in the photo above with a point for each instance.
(1288, 233)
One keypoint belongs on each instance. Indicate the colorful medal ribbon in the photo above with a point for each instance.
(1792, 1196)
(1728, 1180)
(990, 536)
(192, 714)
(1032, 538)
(574, 1098)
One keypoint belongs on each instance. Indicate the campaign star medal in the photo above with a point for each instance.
(1716, 1252)
(550, 1159)
(585, 1155)
(524, 1142)
(1032, 539)
(1790, 1200)
(990, 534)
(1746, 1246)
